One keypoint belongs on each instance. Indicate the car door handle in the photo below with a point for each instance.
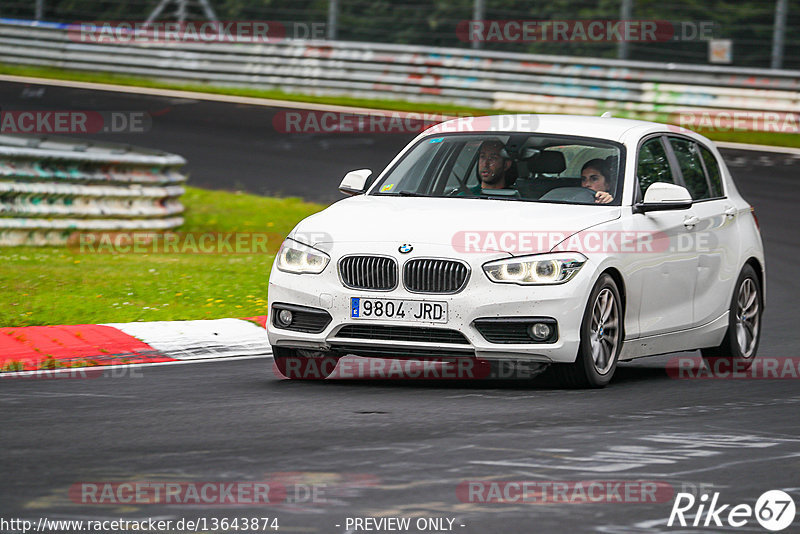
(730, 212)
(691, 221)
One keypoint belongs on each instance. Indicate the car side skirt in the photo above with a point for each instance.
(707, 335)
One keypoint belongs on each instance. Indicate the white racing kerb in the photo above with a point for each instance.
(192, 340)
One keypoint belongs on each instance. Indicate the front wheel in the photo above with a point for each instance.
(602, 333)
(740, 344)
(296, 364)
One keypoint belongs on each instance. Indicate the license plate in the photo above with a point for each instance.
(401, 310)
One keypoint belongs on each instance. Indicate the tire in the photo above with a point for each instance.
(740, 344)
(297, 364)
(602, 333)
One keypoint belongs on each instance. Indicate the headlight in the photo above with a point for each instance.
(534, 270)
(295, 257)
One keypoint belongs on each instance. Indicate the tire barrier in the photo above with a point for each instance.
(50, 188)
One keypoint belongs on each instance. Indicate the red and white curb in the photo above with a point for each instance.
(192, 340)
(46, 347)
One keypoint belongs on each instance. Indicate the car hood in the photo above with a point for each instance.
(454, 223)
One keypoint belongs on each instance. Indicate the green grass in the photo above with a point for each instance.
(62, 285)
(756, 138)
(761, 138)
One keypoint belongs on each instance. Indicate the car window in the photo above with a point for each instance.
(653, 165)
(576, 156)
(712, 169)
(520, 166)
(412, 170)
(463, 167)
(688, 156)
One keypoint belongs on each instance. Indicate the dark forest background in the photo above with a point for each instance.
(748, 23)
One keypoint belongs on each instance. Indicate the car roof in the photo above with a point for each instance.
(610, 128)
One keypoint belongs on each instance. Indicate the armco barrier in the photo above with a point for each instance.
(50, 188)
(499, 80)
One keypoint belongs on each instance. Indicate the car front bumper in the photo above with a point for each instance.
(479, 299)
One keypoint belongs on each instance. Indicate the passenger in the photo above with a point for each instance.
(596, 175)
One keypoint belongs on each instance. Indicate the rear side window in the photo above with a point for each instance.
(688, 156)
(712, 168)
(653, 165)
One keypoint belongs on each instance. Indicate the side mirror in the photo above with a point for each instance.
(355, 182)
(662, 196)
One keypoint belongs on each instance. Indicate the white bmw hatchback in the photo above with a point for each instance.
(567, 242)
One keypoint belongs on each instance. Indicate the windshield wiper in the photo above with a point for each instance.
(410, 194)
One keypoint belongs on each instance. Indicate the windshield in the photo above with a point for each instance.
(527, 167)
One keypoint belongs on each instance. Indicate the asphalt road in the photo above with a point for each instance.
(398, 448)
(228, 146)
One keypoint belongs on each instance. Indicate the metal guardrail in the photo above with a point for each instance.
(517, 82)
(50, 188)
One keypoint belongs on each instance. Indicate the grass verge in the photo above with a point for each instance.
(62, 285)
(760, 138)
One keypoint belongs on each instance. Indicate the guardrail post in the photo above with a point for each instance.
(333, 16)
(779, 33)
(625, 11)
(181, 10)
(39, 10)
(478, 13)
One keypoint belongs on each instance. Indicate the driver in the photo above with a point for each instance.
(493, 166)
(595, 175)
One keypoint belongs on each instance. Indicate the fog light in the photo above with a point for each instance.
(285, 317)
(540, 331)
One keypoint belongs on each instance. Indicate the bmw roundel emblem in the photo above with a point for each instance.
(405, 248)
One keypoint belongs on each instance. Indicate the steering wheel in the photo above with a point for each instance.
(580, 195)
(458, 190)
(462, 187)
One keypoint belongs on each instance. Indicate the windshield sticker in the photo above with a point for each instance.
(387, 187)
(437, 140)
